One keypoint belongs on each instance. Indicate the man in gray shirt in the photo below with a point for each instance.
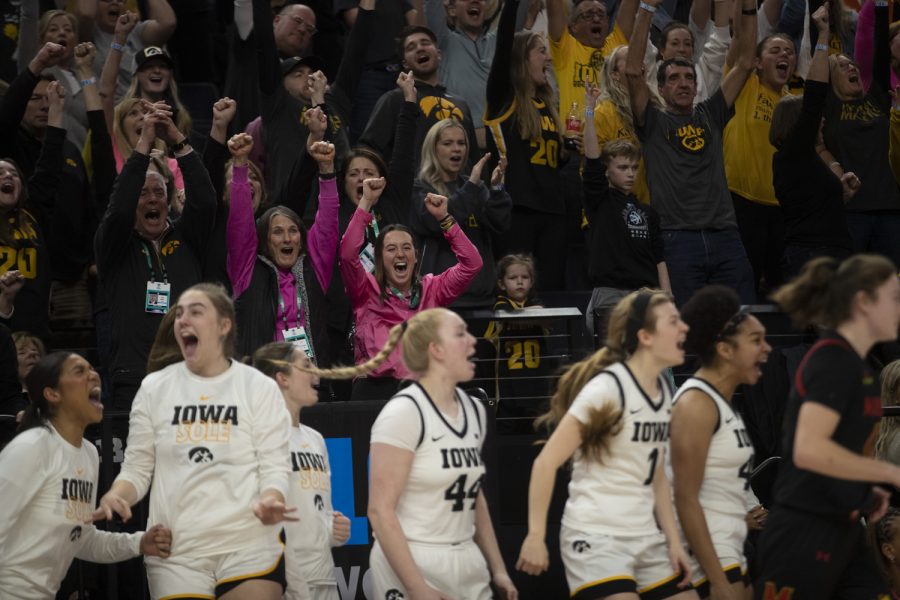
(682, 146)
(467, 51)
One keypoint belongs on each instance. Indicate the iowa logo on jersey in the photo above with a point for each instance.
(580, 546)
(394, 595)
(691, 137)
(320, 504)
(440, 108)
(583, 73)
(170, 247)
(200, 455)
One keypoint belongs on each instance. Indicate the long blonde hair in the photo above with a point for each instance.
(416, 334)
(528, 117)
(122, 144)
(183, 120)
(604, 422)
(614, 91)
(429, 170)
(890, 396)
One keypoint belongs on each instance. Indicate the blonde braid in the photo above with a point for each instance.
(396, 334)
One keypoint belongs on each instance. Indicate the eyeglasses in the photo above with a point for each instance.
(306, 26)
(590, 15)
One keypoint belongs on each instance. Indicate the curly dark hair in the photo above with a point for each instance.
(708, 313)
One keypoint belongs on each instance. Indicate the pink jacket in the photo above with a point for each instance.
(374, 316)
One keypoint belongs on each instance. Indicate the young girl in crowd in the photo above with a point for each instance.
(481, 212)
(309, 565)
(279, 271)
(395, 292)
(611, 412)
(520, 345)
(524, 128)
(48, 482)
(712, 456)
(826, 483)
(212, 434)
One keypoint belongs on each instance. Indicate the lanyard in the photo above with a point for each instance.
(374, 225)
(162, 267)
(283, 308)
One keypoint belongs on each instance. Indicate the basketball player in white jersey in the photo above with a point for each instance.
(212, 434)
(712, 456)
(309, 565)
(433, 534)
(48, 486)
(611, 411)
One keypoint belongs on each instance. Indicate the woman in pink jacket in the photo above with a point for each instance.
(394, 293)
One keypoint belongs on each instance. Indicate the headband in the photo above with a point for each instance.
(732, 324)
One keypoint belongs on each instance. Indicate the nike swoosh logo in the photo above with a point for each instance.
(434, 439)
(727, 421)
(204, 398)
(636, 411)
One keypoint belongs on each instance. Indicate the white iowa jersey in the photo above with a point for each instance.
(726, 479)
(615, 497)
(437, 505)
(210, 445)
(308, 546)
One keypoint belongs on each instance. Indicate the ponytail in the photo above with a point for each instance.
(45, 374)
(605, 422)
(823, 292)
(370, 365)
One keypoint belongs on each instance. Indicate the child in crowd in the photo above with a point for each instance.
(624, 241)
(519, 344)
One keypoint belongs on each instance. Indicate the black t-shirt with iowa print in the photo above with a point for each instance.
(435, 104)
(685, 166)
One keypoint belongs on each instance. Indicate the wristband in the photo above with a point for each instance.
(115, 46)
(327, 176)
(179, 146)
(588, 112)
(89, 81)
(832, 165)
(648, 7)
(447, 222)
(822, 47)
(499, 187)
(751, 12)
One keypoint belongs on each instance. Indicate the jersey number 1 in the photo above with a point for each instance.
(457, 493)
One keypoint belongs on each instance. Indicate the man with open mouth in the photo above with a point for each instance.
(144, 259)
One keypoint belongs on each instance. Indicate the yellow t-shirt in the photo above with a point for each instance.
(576, 64)
(609, 127)
(748, 153)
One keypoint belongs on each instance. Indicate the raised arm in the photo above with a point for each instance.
(864, 42)
(240, 229)
(638, 91)
(29, 38)
(557, 19)
(499, 91)
(43, 184)
(401, 169)
(160, 21)
(740, 56)
(266, 51)
(353, 59)
(324, 234)
(881, 63)
(626, 15)
(450, 284)
(109, 77)
(215, 152)
(355, 277)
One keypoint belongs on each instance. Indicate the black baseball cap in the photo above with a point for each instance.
(149, 52)
(313, 62)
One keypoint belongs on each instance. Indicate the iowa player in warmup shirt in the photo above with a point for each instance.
(611, 414)
(712, 456)
(48, 482)
(212, 434)
(308, 561)
(813, 545)
(433, 533)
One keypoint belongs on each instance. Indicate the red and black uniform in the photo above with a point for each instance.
(813, 545)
